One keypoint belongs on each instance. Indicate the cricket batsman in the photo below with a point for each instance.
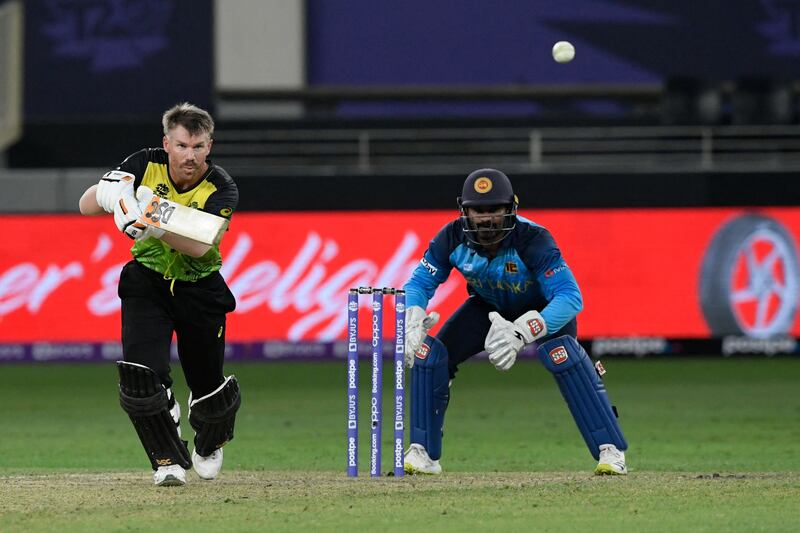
(521, 292)
(173, 286)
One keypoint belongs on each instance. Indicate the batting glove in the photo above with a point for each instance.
(417, 326)
(141, 230)
(111, 187)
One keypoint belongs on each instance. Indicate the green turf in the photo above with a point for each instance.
(713, 447)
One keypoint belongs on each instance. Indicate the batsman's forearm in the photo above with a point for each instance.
(185, 246)
(88, 203)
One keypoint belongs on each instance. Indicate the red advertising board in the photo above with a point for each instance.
(683, 273)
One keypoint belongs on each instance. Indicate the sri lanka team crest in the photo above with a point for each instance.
(558, 355)
(422, 351)
(483, 185)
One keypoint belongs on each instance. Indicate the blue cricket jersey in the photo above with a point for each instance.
(528, 273)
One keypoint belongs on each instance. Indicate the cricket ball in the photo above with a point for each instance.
(563, 52)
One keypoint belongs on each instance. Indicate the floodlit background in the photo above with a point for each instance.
(662, 158)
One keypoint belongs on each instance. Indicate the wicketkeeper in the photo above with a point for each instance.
(521, 292)
(173, 286)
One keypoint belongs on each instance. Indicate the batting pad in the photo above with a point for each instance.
(213, 417)
(584, 392)
(430, 392)
(144, 398)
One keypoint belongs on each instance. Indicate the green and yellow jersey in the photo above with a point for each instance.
(215, 193)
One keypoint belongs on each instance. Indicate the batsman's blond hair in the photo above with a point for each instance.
(191, 117)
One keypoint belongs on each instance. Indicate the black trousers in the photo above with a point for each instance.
(465, 331)
(154, 308)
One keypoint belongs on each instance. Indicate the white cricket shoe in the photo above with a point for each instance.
(207, 467)
(417, 461)
(612, 461)
(169, 476)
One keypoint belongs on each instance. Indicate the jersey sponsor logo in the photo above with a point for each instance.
(536, 326)
(483, 185)
(429, 267)
(467, 267)
(422, 351)
(553, 271)
(514, 287)
(511, 267)
(558, 355)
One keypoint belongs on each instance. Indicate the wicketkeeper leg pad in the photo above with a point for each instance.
(145, 399)
(430, 393)
(584, 392)
(213, 417)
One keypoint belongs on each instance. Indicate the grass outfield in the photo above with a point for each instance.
(714, 447)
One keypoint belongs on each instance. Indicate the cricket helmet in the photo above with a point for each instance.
(487, 187)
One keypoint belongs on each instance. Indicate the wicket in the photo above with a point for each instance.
(376, 410)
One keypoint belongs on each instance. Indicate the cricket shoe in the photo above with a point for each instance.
(612, 461)
(207, 467)
(169, 476)
(417, 461)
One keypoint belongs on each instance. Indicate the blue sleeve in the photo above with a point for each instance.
(432, 271)
(565, 299)
(558, 284)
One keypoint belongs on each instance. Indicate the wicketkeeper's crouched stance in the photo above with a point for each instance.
(521, 291)
(173, 287)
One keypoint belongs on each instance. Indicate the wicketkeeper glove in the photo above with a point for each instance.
(417, 326)
(111, 187)
(505, 339)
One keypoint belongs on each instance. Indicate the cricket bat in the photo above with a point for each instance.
(182, 220)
